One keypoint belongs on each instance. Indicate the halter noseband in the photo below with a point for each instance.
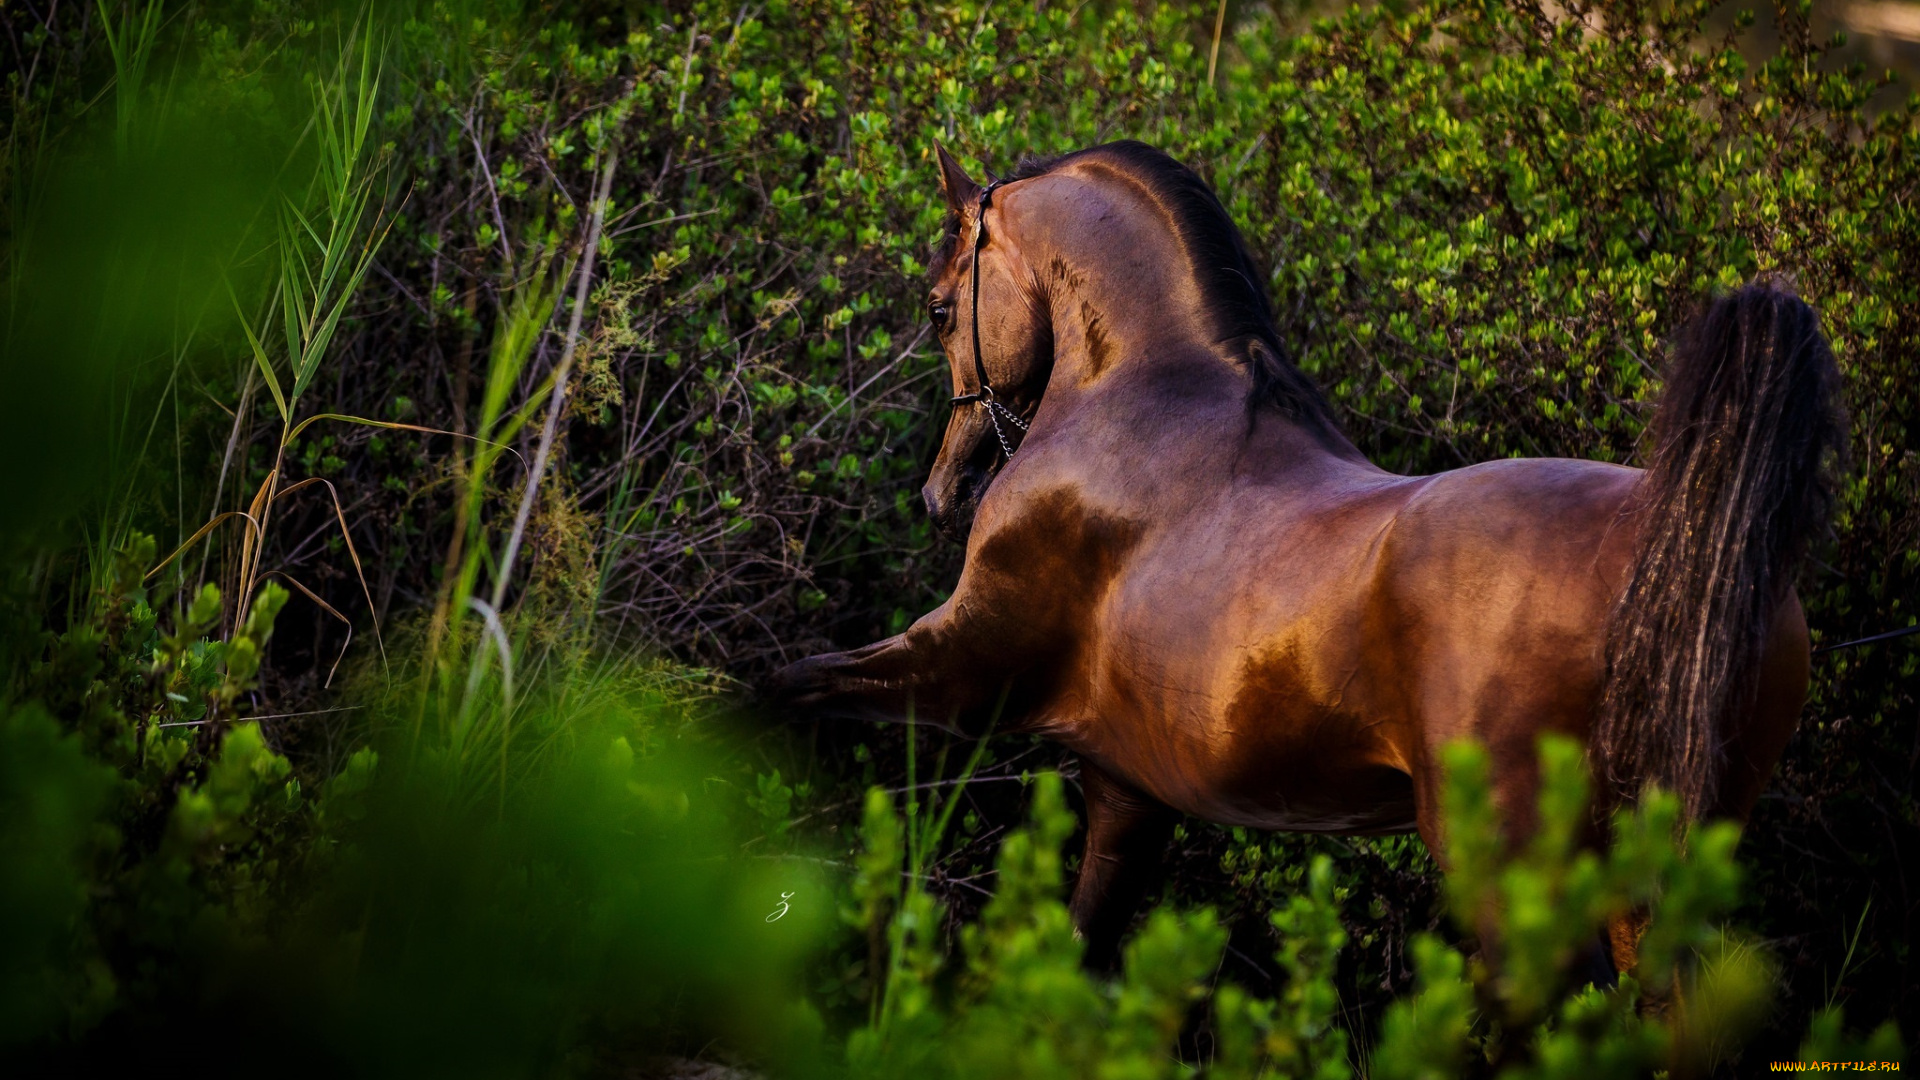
(996, 410)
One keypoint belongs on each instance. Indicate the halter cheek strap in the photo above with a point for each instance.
(996, 410)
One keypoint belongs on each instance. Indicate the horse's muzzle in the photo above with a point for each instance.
(798, 686)
(952, 500)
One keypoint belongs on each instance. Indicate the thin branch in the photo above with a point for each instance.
(270, 716)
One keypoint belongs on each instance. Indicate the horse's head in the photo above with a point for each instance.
(1014, 338)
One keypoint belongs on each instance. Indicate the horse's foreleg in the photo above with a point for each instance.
(940, 672)
(1127, 834)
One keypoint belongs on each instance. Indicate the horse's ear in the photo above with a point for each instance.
(961, 190)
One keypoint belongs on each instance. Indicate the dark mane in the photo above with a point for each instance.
(1230, 280)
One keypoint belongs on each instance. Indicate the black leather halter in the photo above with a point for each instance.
(985, 396)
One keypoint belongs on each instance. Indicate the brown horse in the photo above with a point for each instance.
(1178, 567)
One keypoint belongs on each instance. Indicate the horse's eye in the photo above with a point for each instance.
(937, 313)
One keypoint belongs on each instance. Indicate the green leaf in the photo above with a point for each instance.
(260, 358)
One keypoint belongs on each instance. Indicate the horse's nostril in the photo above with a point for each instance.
(950, 497)
(971, 483)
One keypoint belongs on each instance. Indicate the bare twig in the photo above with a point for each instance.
(270, 716)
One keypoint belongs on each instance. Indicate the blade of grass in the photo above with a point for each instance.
(293, 299)
(340, 515)
(524, 318)
(326, 607)
(131, 48)
(394, 425)
(323, 336)
(498, 635)
(913, 797)
(240, 417)
(1213, 54)
(938, 827)
(260, 358)
(252, 547)
(198, 533)
(1853, 943)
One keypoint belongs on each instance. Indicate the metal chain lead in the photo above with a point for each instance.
(995, 411)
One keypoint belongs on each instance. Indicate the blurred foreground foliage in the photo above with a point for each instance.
(1020, 1005)
(417, 912)
(1482, 222)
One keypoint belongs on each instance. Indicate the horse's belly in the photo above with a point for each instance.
(1287, 780)
(1352, 801)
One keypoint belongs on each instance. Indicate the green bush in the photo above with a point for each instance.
(50, 796)
(1512, 1005)
(414, 913)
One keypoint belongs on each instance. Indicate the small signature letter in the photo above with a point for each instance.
(784, 897)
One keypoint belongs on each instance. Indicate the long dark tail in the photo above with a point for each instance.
(1746, 444)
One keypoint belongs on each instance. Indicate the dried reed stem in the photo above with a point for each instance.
(558, 401)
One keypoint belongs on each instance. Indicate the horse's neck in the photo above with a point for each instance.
(1127, 309)
(1179, 412)
(1100, 323)
(1161, 357)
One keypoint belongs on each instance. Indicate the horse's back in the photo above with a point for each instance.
(1295, 661)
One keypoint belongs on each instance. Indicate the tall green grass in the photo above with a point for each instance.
(324, 245)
